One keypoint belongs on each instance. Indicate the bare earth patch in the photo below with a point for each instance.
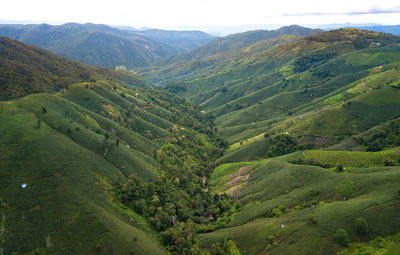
(237, 180)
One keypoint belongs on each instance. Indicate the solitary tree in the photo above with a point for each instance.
(361, 225)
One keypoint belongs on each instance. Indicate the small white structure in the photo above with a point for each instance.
(23, 186)
(282, 226)
(127, 146)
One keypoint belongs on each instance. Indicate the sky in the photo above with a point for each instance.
(180, 14)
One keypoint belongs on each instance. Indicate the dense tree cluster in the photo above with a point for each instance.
(386, 136)
(284, 144)
(178, 202)
(304, 63)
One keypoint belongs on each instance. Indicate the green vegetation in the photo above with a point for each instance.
(310, 164)
(351, 158)
(342, 237)
(78, 149)
(385, 246)
(361, 226)
(312, 203)
(104, 46)
(298, 86)
(218, 56)
(26, 69)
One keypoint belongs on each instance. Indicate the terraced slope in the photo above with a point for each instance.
(292, 209)
(66, 154)
(63, 155)
(219, 55)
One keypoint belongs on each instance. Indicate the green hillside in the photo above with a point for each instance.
(104, 46)
(61, 151)
(277, 102)
(219, 55)
(311, 203)
(77, 149)
(27, 69)
(285, 144)
(269, 100)
(237, 41)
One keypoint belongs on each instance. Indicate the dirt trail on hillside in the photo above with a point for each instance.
(366, 85)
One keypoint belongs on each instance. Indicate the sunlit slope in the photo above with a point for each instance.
(68, 148)
(218, 56)
(263, 86)
(348, 110)
(311, 203)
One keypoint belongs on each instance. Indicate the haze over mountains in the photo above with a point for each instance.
(104, 46)
(263, 142)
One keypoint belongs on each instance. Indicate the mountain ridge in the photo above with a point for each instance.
(28, 69)
(127, 48)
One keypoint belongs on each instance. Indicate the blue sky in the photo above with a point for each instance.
(197, 13)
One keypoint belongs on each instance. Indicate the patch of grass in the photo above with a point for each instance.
(316, 208)
(352, 158)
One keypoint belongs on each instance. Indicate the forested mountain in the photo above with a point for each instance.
(26, 69)
(72, 161)
(221, 54)
(284, 145)
(238, 41)
(262, 85)
(104, 46)
(312, 127)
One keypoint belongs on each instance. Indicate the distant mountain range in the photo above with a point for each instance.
(104, 46)
(219, 53)
(394, 30)
(277, 142)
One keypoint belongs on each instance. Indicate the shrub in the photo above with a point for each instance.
(388, 162)
(276, 212)
(340, 167)
(342, 237)
(283, 208)
(361, 225)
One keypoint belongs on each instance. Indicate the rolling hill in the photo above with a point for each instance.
(26, 69)
(293, 148)
(288, 112)
(104, 46)
(69, 157)
(220, 54)
(263, 87)
(292, 209)
(73, 149)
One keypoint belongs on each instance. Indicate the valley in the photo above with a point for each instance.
(264, 142)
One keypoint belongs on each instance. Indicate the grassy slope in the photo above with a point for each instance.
(219, 54)
(260, 85)
(67, 168)
(316, 209)
(325, 101)
(349, 110)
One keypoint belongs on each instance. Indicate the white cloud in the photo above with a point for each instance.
(169, 13)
